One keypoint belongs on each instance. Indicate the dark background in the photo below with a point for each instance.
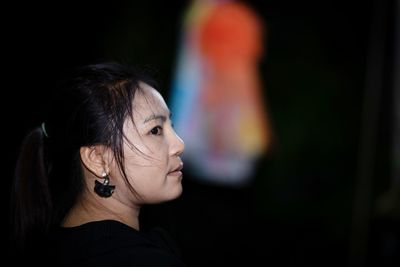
(328, 71)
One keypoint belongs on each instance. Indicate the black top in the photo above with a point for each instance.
(111, 243)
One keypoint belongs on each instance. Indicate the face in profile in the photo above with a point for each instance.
(152, 150)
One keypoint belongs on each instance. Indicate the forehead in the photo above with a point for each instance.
(149, 101)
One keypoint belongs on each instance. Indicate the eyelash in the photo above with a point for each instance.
(159, 128)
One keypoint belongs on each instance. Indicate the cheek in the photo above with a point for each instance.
(156, 151)
(146, 176)
(146, 146)
(142, 165)
(148, 156)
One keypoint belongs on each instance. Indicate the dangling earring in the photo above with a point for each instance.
(104, 189)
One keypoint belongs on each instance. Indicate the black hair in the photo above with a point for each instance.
(89, 108)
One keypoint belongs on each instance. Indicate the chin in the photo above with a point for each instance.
(165, 196)
(177, 192)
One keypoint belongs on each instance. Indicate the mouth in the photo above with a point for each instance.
(177, 171)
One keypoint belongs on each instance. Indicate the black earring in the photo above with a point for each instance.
(104, 189)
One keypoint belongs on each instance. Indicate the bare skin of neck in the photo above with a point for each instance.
(91, 207)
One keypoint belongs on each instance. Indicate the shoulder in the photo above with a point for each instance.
(156, 248)
(139, 256)
(114, 244)
(164, 240)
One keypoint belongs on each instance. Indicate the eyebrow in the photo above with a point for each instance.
(156, 117)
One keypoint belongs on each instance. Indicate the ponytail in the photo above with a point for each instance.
(30, 197)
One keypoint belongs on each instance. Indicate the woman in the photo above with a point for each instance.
(107, 148)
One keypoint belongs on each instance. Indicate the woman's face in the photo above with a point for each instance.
(152, 150)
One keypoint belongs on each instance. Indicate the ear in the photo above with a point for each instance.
(95, 159)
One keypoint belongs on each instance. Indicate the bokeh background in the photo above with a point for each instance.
(327, 191)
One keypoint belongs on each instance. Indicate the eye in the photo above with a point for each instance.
(156, 130)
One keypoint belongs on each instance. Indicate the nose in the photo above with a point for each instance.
(177, 145)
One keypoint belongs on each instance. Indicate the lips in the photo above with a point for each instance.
(177, 169)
